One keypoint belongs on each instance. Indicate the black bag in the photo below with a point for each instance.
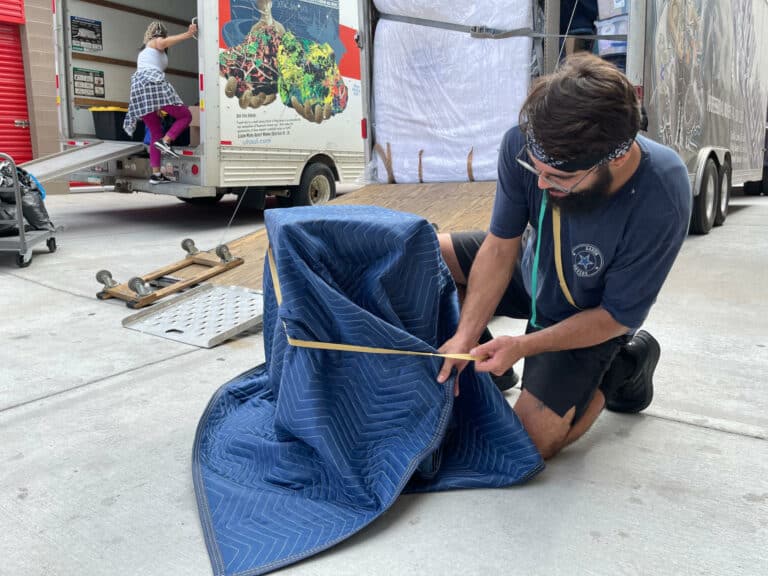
(32, 205)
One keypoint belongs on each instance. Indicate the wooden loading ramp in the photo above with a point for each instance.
(453, 207)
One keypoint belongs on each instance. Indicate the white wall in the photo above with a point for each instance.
(123, 33)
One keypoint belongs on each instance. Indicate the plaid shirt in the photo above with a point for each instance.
(150, 91)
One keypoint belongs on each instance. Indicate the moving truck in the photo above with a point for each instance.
(699, 66)
(275, 88)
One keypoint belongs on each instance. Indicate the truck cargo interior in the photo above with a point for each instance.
(99, 43)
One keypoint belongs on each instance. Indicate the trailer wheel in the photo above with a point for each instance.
(317, 186)
(724, 194)
(705, 204)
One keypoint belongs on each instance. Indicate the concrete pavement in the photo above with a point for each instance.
(97, 424)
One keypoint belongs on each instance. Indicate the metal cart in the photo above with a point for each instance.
(26, 240)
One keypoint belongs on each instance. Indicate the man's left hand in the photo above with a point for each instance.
(500, 354)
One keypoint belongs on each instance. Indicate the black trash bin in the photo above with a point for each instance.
(108, 121)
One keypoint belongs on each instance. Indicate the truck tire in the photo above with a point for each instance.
(705, 204)
(317, 186)
(724, 194)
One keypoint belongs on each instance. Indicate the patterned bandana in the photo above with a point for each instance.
(573, 164)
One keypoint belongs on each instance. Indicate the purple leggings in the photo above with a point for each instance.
(155, 125)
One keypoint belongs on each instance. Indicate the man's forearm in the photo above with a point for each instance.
(490, 275)
(582, 330)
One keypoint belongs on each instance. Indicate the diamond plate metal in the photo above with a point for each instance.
(205, 316)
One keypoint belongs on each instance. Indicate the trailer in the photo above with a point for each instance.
(700, 68)
(275, 88)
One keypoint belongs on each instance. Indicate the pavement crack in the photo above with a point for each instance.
(49, 287)
(707, 423)
(58, 393)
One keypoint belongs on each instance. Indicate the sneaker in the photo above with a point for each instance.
(628, 384)
(507, 380)
(159, 179)
(166, 149)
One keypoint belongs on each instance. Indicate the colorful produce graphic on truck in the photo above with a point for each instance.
(295, 60)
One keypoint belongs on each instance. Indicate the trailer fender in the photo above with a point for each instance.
(720, 155)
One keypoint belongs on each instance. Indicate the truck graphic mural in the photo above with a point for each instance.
(286, 49)
(679, 85)
(707, 86)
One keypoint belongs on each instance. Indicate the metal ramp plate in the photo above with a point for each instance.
(205, 316)
(64, 163)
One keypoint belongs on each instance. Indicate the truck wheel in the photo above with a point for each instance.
(317, 186)
(705, 204)
(724, 194)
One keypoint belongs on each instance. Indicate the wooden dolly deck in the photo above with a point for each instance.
(196, 268)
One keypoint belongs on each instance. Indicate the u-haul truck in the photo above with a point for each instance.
(275, 89)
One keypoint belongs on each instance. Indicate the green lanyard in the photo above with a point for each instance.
(535, 272)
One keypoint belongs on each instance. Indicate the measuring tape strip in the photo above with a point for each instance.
(349, 347)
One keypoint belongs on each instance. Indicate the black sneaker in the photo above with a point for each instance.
(628, 384)
(166, 149)
(159, 179)
(507, 380)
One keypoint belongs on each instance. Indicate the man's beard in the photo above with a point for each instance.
(587, 200)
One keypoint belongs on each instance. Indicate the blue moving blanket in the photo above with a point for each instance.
(300, 453)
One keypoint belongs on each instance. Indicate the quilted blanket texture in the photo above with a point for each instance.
(303, 451)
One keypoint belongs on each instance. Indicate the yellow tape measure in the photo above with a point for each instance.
(349, 347)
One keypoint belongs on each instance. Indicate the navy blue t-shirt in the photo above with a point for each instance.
(616, 256)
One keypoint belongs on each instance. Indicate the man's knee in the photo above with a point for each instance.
(548, 445)
(547, 429)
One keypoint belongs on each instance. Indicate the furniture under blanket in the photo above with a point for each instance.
(440, 94)
(303, 451)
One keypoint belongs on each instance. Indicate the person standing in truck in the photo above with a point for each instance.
(152, 94)
(607, 211)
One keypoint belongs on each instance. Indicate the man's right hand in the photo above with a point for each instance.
(455, 345)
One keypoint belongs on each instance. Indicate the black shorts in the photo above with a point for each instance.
(561, 380)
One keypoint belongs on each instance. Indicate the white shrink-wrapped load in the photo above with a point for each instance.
(499, 14)
(441, 94)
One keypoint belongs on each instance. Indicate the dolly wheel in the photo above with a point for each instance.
(189, 246)
(222, 251)
(104, 277)
(139, 286)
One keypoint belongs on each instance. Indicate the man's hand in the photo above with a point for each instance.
(500, 354)
(455, 345)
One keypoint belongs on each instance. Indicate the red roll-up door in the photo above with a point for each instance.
(12, 11)
(15, 136)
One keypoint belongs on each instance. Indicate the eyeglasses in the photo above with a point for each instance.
(553, 185)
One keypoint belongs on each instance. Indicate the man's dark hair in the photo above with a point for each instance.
(584, 109)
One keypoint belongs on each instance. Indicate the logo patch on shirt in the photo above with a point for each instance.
(587, 260)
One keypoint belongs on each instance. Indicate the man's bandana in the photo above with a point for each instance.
(574, 164)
